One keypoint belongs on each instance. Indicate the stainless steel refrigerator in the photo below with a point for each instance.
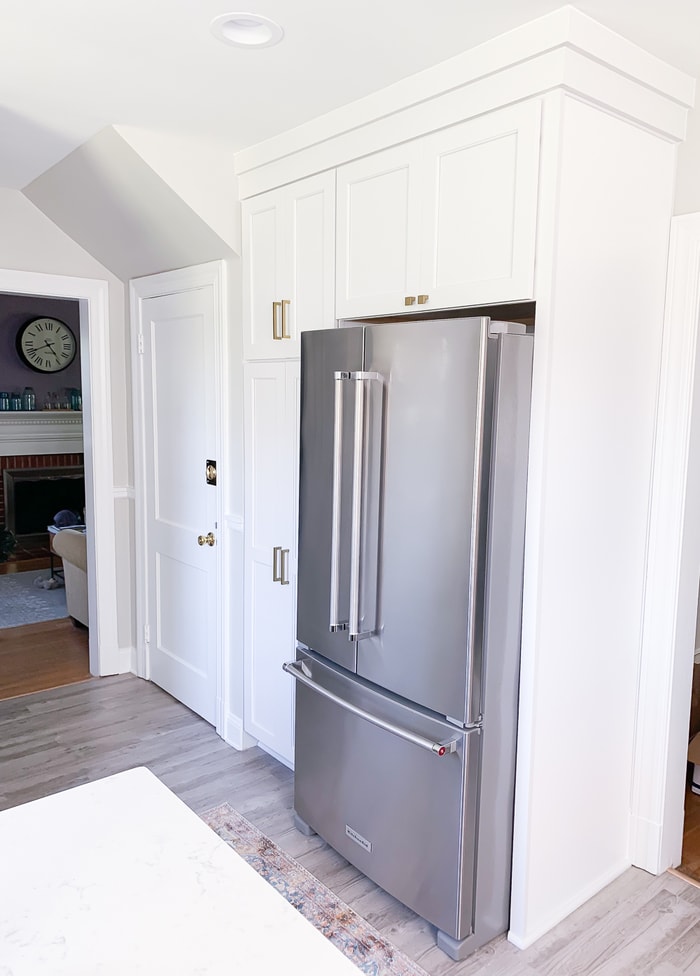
(413, 462)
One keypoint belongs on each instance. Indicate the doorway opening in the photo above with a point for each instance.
(92, 298)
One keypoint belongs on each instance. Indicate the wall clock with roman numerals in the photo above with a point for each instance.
(46, 345)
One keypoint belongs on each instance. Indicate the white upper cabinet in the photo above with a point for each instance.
(288, 266)
(442, 221)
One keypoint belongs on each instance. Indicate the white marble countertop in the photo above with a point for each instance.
(120, 878)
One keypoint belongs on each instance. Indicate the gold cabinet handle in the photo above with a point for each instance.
(276, 307)
(206, 540)
(285, 330)
(409, 300)
(276, 576)
(284, 567)
(422, 299)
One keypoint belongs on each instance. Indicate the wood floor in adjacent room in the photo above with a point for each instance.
(43, 655)
(690, 863)
(639, 926)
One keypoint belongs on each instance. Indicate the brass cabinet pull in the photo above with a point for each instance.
(285, 331)
(284, 567)
(276, 306)
(276, 576)
(409, 300)
(422, 299)
(206, 540)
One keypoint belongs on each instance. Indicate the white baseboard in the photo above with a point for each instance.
(235, 734)
(523, 940)
(126, 657)
(645, 844)
(117, 660)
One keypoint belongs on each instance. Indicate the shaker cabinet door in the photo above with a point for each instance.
(263, 251)
(444, 221)
(271, 452)
(288, 266)
(307, 274)
(378, 232)
(480, 210)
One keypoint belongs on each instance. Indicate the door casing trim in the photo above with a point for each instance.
(673, 571)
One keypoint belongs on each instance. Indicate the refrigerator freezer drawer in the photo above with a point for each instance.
(396, 809)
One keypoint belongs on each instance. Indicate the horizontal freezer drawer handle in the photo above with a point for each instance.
(438, 748)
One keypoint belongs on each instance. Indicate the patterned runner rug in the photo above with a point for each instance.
(356, 938)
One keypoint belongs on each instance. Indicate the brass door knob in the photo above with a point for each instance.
(409, 300)
(206, 540)
(422, 299)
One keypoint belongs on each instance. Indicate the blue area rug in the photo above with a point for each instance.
(22, 602)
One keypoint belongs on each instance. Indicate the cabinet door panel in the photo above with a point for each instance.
(266, 471)
(271, 451)
(378, 232)
(269, 705)
(288, 256)
(474, 218)
(261, 245)
(310, 266)
(291, 411)
(480, 202)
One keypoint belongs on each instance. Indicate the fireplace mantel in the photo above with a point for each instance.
(41, 432)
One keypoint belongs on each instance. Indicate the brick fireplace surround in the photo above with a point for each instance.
(33, 461)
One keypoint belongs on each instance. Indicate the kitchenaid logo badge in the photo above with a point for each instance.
(358, 838)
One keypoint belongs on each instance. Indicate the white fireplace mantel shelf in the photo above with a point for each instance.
(41, 432)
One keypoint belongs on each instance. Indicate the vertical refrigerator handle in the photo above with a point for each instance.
(335, 623)
(362, 379)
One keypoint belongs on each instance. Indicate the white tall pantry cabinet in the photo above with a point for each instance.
(288, 247)
(271, 449)
(538, 167)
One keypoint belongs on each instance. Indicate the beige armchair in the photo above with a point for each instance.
(71, 546)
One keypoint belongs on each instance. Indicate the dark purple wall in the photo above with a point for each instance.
(16, 311)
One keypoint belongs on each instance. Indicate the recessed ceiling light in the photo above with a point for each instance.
(246, 30)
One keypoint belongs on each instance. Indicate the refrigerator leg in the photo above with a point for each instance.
(456, 949)
(302, 826)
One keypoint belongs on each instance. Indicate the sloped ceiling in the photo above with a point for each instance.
(106, 197)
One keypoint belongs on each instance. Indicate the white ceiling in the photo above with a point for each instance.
(71, 67)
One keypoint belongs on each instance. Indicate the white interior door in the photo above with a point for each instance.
(180, 437)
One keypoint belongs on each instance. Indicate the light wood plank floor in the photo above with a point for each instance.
(639, 926)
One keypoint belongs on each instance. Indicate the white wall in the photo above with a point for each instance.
(31, 242)
(688, 169)
(199, 171)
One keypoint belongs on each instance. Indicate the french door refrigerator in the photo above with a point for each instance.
(413, 460)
